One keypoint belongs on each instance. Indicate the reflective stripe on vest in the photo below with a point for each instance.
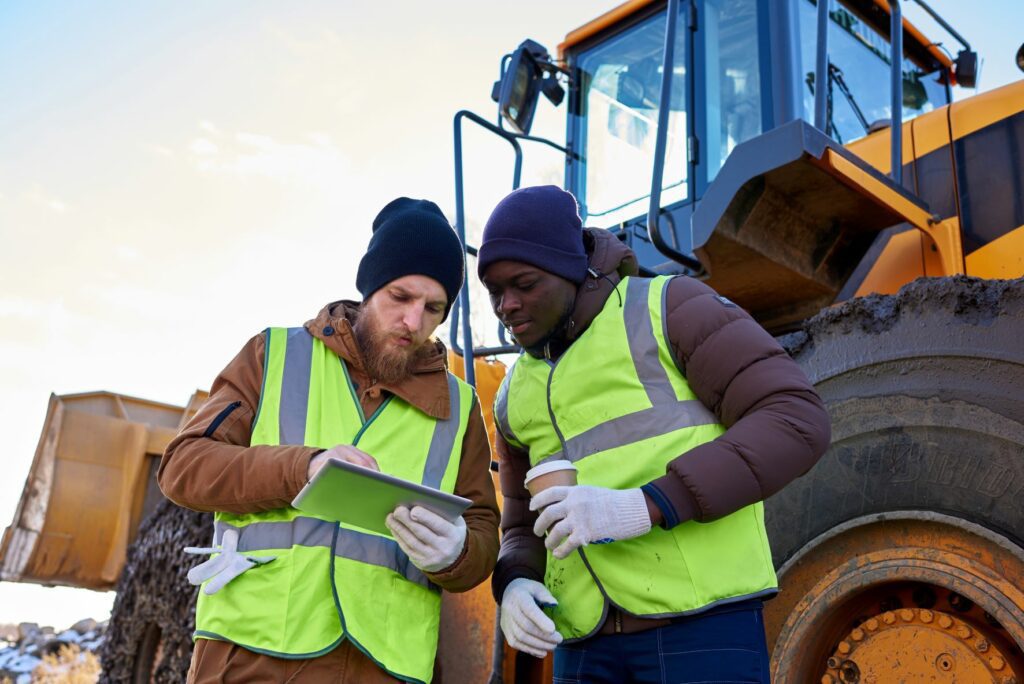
(314, 532)
(331, 581)
(616, 404)
(500, 414)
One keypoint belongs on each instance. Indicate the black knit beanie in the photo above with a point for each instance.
(412, 237)
(539, 226)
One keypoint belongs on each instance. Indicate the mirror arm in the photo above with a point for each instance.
(460, 229)
(944, 24)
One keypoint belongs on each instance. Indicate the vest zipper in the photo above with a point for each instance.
(551, 410)
(370, 420)
(618, 620)
(352, 390)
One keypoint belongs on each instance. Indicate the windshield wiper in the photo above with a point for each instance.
(835, 75)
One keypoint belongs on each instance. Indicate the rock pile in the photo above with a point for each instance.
(24, 647)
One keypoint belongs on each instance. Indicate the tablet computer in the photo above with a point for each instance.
(362, 497)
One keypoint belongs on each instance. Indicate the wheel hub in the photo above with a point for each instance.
(915, 645)
(910, 594)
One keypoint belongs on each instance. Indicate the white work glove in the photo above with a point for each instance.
(584, 515)
(431, 542)
(524, 624)
(228, 564)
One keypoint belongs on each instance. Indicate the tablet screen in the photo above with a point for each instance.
(363, 498)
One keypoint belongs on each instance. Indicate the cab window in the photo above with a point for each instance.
(858, 81)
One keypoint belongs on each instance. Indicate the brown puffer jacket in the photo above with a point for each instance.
(210, 465)
(777, 426)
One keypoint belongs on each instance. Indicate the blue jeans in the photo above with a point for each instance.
(724, 646)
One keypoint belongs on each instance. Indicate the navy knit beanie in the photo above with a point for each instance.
(539, 226)
(412, 237)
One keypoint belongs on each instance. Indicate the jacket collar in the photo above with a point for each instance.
(426, 387)
(609, 260)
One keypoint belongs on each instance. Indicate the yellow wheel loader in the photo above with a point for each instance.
(807, 160)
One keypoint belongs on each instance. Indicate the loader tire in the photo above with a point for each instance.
(149, 638)
(925, 390)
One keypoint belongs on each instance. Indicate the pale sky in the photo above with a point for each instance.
(174, 177)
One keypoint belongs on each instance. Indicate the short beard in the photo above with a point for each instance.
(387, 365)
(537, 350)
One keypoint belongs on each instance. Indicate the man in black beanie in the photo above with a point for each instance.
(678, 413)
(365, 383)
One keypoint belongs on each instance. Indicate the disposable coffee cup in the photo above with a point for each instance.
(550, 474)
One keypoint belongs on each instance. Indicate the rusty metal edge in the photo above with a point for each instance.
(890, 516)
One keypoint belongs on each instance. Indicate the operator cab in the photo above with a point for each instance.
(740, 68)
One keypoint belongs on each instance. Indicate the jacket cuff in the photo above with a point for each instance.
(301, 468)
(673, 499)
(502, 577)
(443, 574)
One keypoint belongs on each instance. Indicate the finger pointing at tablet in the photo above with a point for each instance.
(342, 452)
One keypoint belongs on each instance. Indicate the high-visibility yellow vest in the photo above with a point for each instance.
(617, 406)
(331, 581)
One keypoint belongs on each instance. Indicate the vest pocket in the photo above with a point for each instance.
(659, 580)
(727, 556)
(309, 618)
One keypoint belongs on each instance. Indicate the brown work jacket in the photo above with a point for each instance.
(776, 425)
(210, 466)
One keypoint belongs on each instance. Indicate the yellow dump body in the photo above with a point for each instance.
(92, 481)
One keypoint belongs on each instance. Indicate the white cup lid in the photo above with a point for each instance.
(547, 467)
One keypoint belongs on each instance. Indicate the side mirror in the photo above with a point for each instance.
(1020, 57)
(518, 91)
(521, 84)
(967, 68)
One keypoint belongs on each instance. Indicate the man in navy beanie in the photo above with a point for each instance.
(365, 383)
(678, 413)
(539, 226)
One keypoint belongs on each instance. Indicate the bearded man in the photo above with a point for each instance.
(367, 383)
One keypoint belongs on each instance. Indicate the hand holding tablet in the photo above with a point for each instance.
(431, 542)
(362, 497)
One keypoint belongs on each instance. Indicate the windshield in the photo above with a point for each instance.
(621, 85)
(859, 75)
(621, 89)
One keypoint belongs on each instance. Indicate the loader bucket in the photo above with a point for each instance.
(92, 481)
(788, 219)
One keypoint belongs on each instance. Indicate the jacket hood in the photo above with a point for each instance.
(609, 261)
(426, 387)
